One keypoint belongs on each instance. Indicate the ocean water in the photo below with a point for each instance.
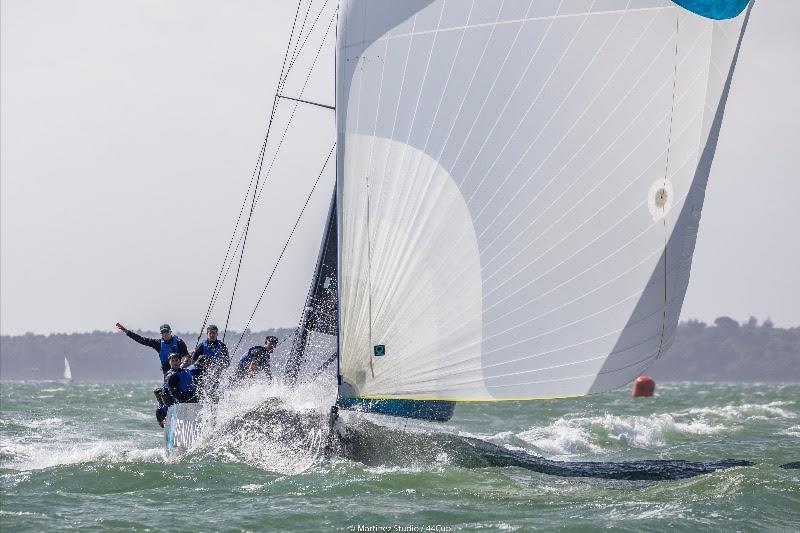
(89, 456)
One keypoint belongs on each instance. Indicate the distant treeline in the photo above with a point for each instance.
(724, 351)
(729, 351)
(97, 356)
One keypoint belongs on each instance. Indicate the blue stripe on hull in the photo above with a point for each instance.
(714, 9)
(172, 418)
(438, 410)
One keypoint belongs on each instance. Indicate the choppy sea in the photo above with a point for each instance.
(89, 456)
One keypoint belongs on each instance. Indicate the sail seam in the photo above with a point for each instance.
(588, 167)
(391, 246)
(589, 106)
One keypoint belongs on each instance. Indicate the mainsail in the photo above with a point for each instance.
(519, 187)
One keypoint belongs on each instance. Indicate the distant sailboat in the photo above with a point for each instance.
(67, 370)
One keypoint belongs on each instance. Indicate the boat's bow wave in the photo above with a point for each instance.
(267, 426)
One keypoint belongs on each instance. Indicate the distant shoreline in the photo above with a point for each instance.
(723, 352)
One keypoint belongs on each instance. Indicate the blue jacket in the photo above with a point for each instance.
(258, 354)
(180, 385)
(216, 351)
(159, 346)
(168, 348)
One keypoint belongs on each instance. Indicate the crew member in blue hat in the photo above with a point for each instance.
(166, 345)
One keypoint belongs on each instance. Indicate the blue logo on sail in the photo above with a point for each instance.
(714, 9)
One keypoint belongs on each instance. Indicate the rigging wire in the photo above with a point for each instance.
(296, 43)
(302, 90)
(285, 245)
(257, 194)
(299, 48)
(220, 278)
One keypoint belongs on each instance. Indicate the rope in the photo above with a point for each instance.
(285, 245)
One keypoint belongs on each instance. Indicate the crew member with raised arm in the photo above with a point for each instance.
(167, 344)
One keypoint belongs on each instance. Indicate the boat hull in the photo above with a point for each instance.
(436, 410)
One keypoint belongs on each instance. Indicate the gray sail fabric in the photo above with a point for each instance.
(519, 190)
(315, 341)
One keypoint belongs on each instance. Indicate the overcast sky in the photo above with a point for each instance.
(129, 132)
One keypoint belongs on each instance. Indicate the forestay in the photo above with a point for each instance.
(519, 188)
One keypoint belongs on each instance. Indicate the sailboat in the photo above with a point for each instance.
(518, 195)
(67, 377)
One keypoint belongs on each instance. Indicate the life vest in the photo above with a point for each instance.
(215, 353)
(168, 348)
(185, 381)
(259, 355)
(185, 388)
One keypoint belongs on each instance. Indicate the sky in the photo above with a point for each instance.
(129, 132)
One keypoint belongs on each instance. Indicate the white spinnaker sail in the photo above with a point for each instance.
(520, 187)
(67, 370)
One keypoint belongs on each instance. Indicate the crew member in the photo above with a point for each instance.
(164, 393)
(258, 359)
(198, 370)
(213, 348)
(180, 384)
(167, 344)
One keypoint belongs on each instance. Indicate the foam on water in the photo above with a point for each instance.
(581, 435)
(747, 411)
(793, 431)
(32, 423)
(31, 455)
(562, 437)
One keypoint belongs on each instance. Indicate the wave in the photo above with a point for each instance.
(570, 436)
(582, 435)
(792, 431)
(27, 423)
(26, 455)
(751, 411)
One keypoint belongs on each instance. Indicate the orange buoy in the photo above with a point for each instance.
(643, 387)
